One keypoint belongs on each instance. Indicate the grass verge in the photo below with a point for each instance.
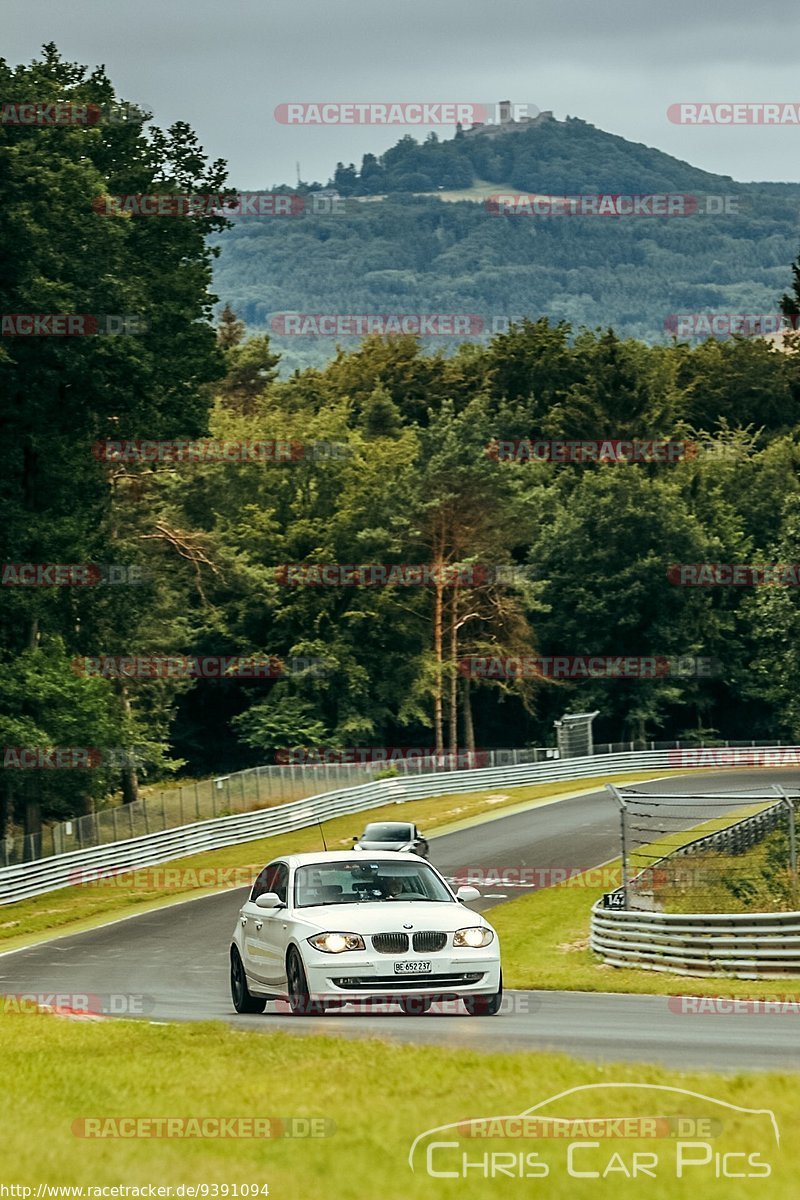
(380, 1097)
(757, 880)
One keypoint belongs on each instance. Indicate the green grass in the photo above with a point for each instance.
(380, 1096)
(644, 856)
(80, 907)
(757, 880)
(478, 191)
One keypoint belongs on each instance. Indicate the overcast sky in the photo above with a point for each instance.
(223, 68)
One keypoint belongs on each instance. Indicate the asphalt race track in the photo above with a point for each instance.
(173, 962)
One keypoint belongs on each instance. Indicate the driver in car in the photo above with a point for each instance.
(393, 887)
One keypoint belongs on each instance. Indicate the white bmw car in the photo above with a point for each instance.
(323, 930)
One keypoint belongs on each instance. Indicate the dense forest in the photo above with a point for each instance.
(391, 244)
(392, 459)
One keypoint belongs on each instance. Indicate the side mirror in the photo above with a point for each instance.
(467, 892)
(269, 900)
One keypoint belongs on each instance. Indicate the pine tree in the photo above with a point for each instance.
(230, 329)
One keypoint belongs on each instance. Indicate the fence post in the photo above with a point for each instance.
(615, 792)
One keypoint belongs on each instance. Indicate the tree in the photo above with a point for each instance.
(251, 367)
(230, 330)
(65, 250)
(381, 416)
(345, 179)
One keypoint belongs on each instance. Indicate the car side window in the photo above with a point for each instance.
(265, 881)
(280, 884)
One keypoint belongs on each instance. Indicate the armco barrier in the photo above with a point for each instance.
(49, 874)
(741, 945)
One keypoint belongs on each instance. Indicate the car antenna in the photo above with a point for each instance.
(322, 834)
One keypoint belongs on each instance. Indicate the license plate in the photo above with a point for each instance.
(420, 966)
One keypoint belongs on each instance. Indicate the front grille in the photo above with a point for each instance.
(428, 941)
(390, 943)
(404, 983)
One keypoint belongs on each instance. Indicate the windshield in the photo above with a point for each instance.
(365, 882)
(387, 833)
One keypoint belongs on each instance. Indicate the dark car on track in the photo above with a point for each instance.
(392, 835)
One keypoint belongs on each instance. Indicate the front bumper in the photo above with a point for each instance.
(360, 975)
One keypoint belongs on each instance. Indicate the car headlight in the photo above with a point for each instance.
(337, 943)
(474, 935)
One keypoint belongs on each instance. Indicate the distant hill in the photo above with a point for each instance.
(394, 246)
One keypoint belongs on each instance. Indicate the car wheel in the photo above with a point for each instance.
(300, 1002)
(485, 1006)
(243, 1001)
(415, 1006)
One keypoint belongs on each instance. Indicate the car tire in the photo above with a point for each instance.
(415, 1006)
(243, 1000)
(300, 1001)
(485, 1006)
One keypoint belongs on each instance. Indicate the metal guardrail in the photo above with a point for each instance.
(24, 880)
(239, 792)
(270, 786)
(745, 946)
